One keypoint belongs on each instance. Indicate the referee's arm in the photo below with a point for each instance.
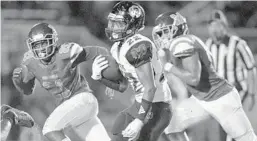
(249, 64)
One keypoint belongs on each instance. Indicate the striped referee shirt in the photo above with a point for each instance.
(234, 61)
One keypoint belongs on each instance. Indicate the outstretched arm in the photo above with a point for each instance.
(80, 54)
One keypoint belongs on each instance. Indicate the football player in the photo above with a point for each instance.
(11, 116)
(136, 56)
(55, 66)
(212, 95)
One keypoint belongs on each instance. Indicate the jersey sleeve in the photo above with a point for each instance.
(93, 51)
(140, 53)
(78, 54)
(246, 54)
(182, 48)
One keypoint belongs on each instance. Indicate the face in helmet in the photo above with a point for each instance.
(169, 25)
(217, 27)
(42, 40)
(125, 19)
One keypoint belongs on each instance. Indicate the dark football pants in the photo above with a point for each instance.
(151, 131)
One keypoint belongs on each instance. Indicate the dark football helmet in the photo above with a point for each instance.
(42, 40)
(125, 19)
(169, 25)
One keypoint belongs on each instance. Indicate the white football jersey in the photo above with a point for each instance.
(119, 53)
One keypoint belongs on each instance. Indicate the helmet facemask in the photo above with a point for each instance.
(42, 46)
(117, 29)
(169, 25)
(163, 35)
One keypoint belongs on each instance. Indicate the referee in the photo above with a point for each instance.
(232, 58)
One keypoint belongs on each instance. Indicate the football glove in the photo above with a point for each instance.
(133, 129)
(99, 64)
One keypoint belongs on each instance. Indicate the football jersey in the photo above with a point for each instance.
(61, 77)
(135, 51)
(211, 86)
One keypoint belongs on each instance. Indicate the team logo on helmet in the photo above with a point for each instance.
(135, 11)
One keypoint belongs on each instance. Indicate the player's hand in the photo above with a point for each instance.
(162, 56)
(99, 64)
(133, 129)
(17, 72)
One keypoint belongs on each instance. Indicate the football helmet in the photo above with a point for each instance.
(125, 19)
(42, 40)
(169, 25)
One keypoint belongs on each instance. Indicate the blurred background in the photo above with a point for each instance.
(83, 22)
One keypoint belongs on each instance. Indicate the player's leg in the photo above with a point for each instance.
(158, 120)
(6, 125)
(185, 114)
(73, 112)
(228, 111)
(120, 123)
(243, 94)
(94, 129)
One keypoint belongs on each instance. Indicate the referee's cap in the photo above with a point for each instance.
(218, 15)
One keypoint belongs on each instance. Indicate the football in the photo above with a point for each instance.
(112, 72)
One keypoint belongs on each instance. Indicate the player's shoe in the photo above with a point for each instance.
(4, 108)
(18, 117)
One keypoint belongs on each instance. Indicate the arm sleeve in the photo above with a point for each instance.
(139, 54)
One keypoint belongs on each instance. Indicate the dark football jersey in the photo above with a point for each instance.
(61, 77)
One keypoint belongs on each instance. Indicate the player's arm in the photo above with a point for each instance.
(140, 56)
(23, 80)
(249, 64)
(190, 71)
(120, 86)
(79, 54)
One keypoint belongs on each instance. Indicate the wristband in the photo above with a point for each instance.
(96, 77)
(144, 109)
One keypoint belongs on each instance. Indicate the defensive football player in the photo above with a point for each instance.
(212, 95)
(136, 56)
(11, 116)
(55, 66)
